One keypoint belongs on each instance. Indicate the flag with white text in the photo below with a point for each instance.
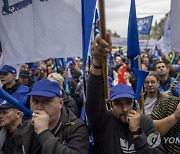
(144, 25)
(41, 29)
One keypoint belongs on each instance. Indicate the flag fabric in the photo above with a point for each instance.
(60, 62)
(133, 39)
(96, 26)
(174, 23)
(157, 53)
(88, 9)
(167, 35)
(144, 25)
(121, 73)
(42, 29)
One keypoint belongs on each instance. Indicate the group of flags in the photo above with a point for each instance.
(42, 29)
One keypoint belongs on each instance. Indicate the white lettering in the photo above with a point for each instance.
(172, 140)
(165, 139)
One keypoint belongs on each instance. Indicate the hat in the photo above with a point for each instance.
(25, 73)
(121, 91)
(34, 67)
(7, 69)
(72, 62)
(112, 66)
(46, 88)
(5, 105)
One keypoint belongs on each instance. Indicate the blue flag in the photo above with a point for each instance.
(157, 53)
(60, 62)
(133, 39)
(144, 25)
(88, 9)
(96, 26)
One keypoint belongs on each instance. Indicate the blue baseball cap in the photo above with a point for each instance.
(5, 105)
(46, 88)
(24, 73)
(34, 67)
(121, 91)
(72, 62)
(112, 66)
(7, 69)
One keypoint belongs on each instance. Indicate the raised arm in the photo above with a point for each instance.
(95, 103)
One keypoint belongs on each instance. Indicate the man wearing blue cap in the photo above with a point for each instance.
(121, 130)
(11, 86)
(54, 129)
(10, 119)
(36, 73)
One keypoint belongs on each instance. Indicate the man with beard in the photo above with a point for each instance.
(123, 130)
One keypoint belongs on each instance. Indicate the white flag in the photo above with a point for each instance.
(175, 28)
(167, 35)
(23, 37)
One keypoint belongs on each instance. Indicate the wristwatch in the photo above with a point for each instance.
(137, 132)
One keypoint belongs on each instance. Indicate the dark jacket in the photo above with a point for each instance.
(111, 136)
(69, 137)
(19, 92)
(71, 104)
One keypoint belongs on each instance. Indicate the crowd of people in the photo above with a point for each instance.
(72, 116)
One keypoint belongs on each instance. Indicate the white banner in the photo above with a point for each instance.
(33, 30)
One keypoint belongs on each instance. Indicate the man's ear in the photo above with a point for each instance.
(19, 114)
(62, 101)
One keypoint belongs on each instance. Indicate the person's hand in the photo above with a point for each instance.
(176, 114)
(167, 93)
(133, 118)
(101, 47)
(40, 121)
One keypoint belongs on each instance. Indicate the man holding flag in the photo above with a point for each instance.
(123, 130)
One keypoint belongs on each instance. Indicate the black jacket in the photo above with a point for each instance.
(111, 136)
(70, 103)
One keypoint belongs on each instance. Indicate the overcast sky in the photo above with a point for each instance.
(117, 12)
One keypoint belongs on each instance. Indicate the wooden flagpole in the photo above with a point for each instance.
(102, 25)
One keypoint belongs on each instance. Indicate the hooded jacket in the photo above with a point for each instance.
(70, 136)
